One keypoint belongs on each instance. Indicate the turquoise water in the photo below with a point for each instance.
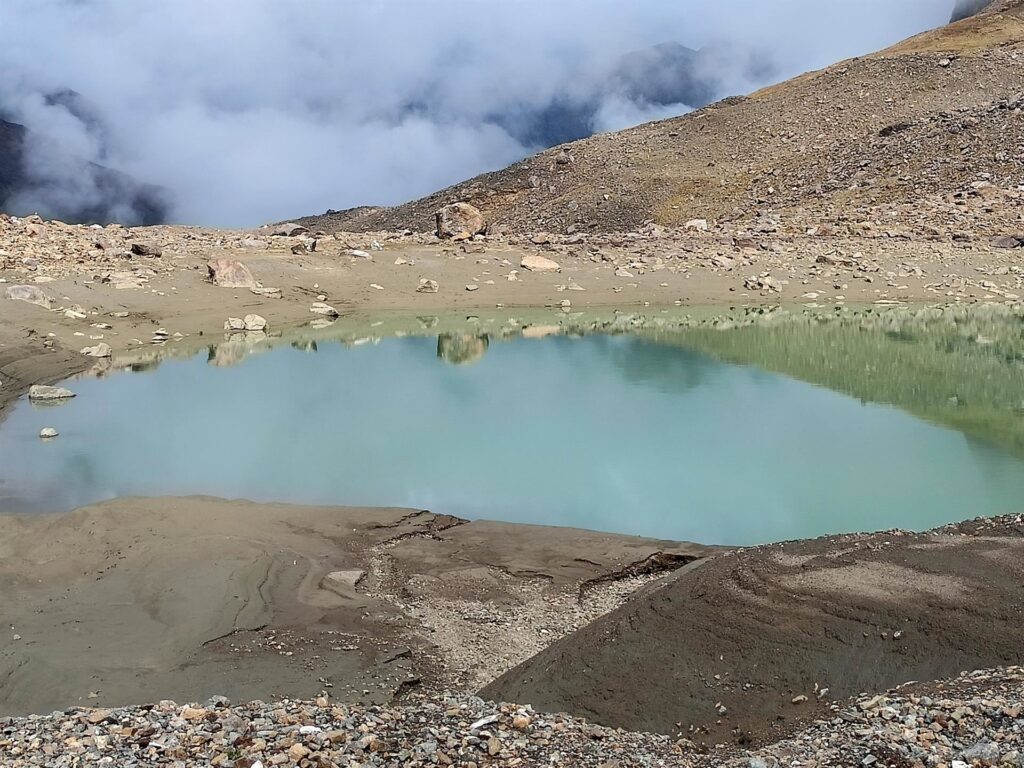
(603, 432)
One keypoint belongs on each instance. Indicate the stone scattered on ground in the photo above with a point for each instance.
(427, 286)
(30, 294)
(146, 249)
(976, 719)
(97, 350)
(973, 720)
(230, 273)
(459, 731)
(537, 263)
(320, 308)
(44, 392)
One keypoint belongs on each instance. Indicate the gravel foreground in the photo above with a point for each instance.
(973, 720)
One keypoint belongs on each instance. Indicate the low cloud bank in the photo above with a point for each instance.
(247, 111)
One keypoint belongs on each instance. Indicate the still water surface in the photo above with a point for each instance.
(605, 432)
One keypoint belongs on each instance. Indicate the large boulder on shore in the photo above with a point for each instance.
(230, 273)
(459, 221)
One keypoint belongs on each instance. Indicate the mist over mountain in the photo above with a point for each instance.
(965, 8)
(248, 111)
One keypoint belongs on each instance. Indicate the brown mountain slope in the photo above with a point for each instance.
(923, 119)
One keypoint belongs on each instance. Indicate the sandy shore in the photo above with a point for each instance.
(191, 597)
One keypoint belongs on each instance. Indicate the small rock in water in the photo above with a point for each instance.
(47, 433)
(535, 263)
(254, 323)
(100, 350)
(44, 392)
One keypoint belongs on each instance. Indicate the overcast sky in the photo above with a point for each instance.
(259, 110)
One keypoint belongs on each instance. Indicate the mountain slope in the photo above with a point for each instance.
(857, 140)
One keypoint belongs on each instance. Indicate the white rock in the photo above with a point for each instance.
(701, 225)
(254, 323)
(100, 350)
(359, 254)
(319, 308)
(427, 286)
(47, 433)
(535, 263)
(472, 287)
(44, 392)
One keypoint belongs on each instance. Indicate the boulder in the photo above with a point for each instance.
(255, 323)
(289, 229)
(1006, 242)
(427, 286)
(146, 249)
(319, 308)
(29, 293)
(535, 263)
(100, 350)
(234, 324)
(459, 221)
(47, 433)
(230, 273)
(44, 392)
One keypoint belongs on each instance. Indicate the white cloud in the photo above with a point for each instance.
(255, 110)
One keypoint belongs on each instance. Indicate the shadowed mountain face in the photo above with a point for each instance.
(37, 177)
(662, 76)
(966, 8)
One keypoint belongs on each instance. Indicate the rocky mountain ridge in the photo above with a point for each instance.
(872, 141)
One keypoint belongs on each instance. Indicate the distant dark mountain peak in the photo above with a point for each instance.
(36, 177)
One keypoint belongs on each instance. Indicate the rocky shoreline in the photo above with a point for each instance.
(972, 720)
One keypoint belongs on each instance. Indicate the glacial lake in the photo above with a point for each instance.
(610, 432)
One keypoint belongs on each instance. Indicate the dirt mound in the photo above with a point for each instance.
(865, 139)
(745, 645)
